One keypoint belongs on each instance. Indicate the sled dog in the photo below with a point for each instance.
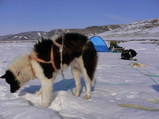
(48, 58)
(128, 54)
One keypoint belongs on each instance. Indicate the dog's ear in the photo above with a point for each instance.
(3, 76)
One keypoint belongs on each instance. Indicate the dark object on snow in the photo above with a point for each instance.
(128, 54)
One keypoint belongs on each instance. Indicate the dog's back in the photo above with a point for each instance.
(74, 46)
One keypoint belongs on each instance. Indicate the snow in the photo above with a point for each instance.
(136, 30)
(153, 30)
(39, 34)
(25, 37)
(116, 83)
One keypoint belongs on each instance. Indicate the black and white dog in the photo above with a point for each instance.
(48, 58)
(128, 54)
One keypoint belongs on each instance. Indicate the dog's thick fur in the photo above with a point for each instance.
(78, 52)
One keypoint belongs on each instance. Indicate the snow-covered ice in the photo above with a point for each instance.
(116, 83)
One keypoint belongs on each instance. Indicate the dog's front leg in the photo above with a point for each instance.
(46, 87)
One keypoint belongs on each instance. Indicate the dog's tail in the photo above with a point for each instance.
(90, 59)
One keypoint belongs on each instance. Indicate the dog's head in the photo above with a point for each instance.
(11, 80)
(125, 54)
(133, 52)
(18, 73)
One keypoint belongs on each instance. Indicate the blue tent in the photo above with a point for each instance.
(99, 44)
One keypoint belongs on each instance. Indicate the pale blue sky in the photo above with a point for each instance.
(44, 15)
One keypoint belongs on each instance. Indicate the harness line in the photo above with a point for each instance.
(148, 75)
(61, 59)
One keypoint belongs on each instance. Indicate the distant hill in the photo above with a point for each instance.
(34, 35)
(148, 29)
(145, 29)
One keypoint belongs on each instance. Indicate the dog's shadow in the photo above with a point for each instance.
(65, 85)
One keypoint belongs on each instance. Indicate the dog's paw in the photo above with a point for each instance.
(76, 93)
(86, 97)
